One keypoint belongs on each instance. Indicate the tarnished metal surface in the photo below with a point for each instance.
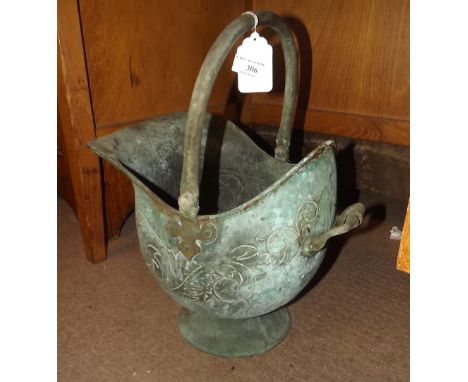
(244, 256)
(251, 229)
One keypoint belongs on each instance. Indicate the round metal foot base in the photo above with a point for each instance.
(234, 338)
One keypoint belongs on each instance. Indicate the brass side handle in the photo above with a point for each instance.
(349, 219)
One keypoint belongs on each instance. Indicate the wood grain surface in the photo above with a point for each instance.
(119, 199)
(403, 260)
(64, 181)
(354, 58)
(326, 122)
(78, 128)
(143, 56)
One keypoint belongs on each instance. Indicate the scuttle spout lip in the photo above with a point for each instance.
(105, 147)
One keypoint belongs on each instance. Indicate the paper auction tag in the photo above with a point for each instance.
(254, 65)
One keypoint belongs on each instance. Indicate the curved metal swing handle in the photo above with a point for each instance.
(349, 219)
(189, 188)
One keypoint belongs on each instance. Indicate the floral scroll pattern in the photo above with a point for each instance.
(231, 278)
(281, 245)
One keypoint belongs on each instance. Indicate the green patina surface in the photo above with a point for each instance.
(234, 338)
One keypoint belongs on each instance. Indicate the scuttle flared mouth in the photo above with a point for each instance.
(234, 172)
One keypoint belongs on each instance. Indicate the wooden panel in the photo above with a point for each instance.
(354, 58)
(231, 111)
(403, 260)
(64, 182)
(344, 124)
(143, 56)
(119, 199)
(78, 128)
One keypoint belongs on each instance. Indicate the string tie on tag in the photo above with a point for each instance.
(255, 18)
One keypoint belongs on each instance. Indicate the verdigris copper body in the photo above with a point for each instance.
(249, 231)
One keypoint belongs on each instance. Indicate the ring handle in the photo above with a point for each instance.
(189, 188)
(349, 219)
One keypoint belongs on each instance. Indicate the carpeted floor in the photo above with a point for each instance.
(351, 324)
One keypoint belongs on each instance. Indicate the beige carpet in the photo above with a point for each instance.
(352, 324)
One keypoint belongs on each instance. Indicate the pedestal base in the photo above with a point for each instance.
(234, 338)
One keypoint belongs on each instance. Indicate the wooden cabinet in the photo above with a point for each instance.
(122, 61)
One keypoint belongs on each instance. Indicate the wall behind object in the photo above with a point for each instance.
(143, 56)
(359, 54)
